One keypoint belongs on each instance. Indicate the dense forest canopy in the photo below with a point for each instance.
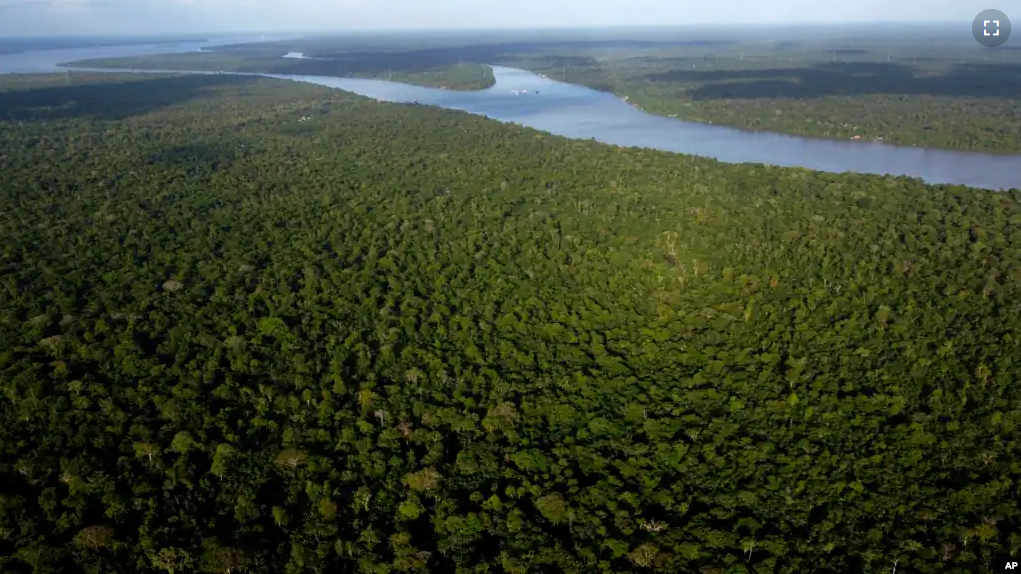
(913, 85)
(398, 338)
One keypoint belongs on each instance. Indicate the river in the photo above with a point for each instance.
(575, 111)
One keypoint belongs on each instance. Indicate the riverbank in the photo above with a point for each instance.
(958, 101)
(991, 125)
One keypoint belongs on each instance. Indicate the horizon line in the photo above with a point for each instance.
(485, 29)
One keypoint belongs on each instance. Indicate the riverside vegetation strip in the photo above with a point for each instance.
(400, 338)
(455, 76)
(966, 106)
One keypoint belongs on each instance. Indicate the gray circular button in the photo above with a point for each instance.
(991, 28)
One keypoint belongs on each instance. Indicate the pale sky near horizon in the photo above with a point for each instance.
(51, 17)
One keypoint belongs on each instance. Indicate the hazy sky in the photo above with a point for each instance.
(32, 17)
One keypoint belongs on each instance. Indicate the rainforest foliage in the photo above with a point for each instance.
(399, 338)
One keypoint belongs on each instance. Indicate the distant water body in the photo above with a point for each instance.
(577, 112)
(46, 61)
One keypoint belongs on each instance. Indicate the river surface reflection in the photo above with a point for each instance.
(574, 111)
(578, 112)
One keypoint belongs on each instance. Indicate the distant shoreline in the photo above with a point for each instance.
(15, 45)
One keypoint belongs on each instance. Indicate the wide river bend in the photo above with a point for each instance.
(574, 111)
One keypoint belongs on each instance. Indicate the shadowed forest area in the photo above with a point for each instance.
(407, 339)
(850, 79)
(78, 95)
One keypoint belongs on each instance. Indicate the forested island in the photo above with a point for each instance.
(455, 77)
(450, 76)
(397, 338)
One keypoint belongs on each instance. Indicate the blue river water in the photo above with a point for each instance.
(574, 111)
